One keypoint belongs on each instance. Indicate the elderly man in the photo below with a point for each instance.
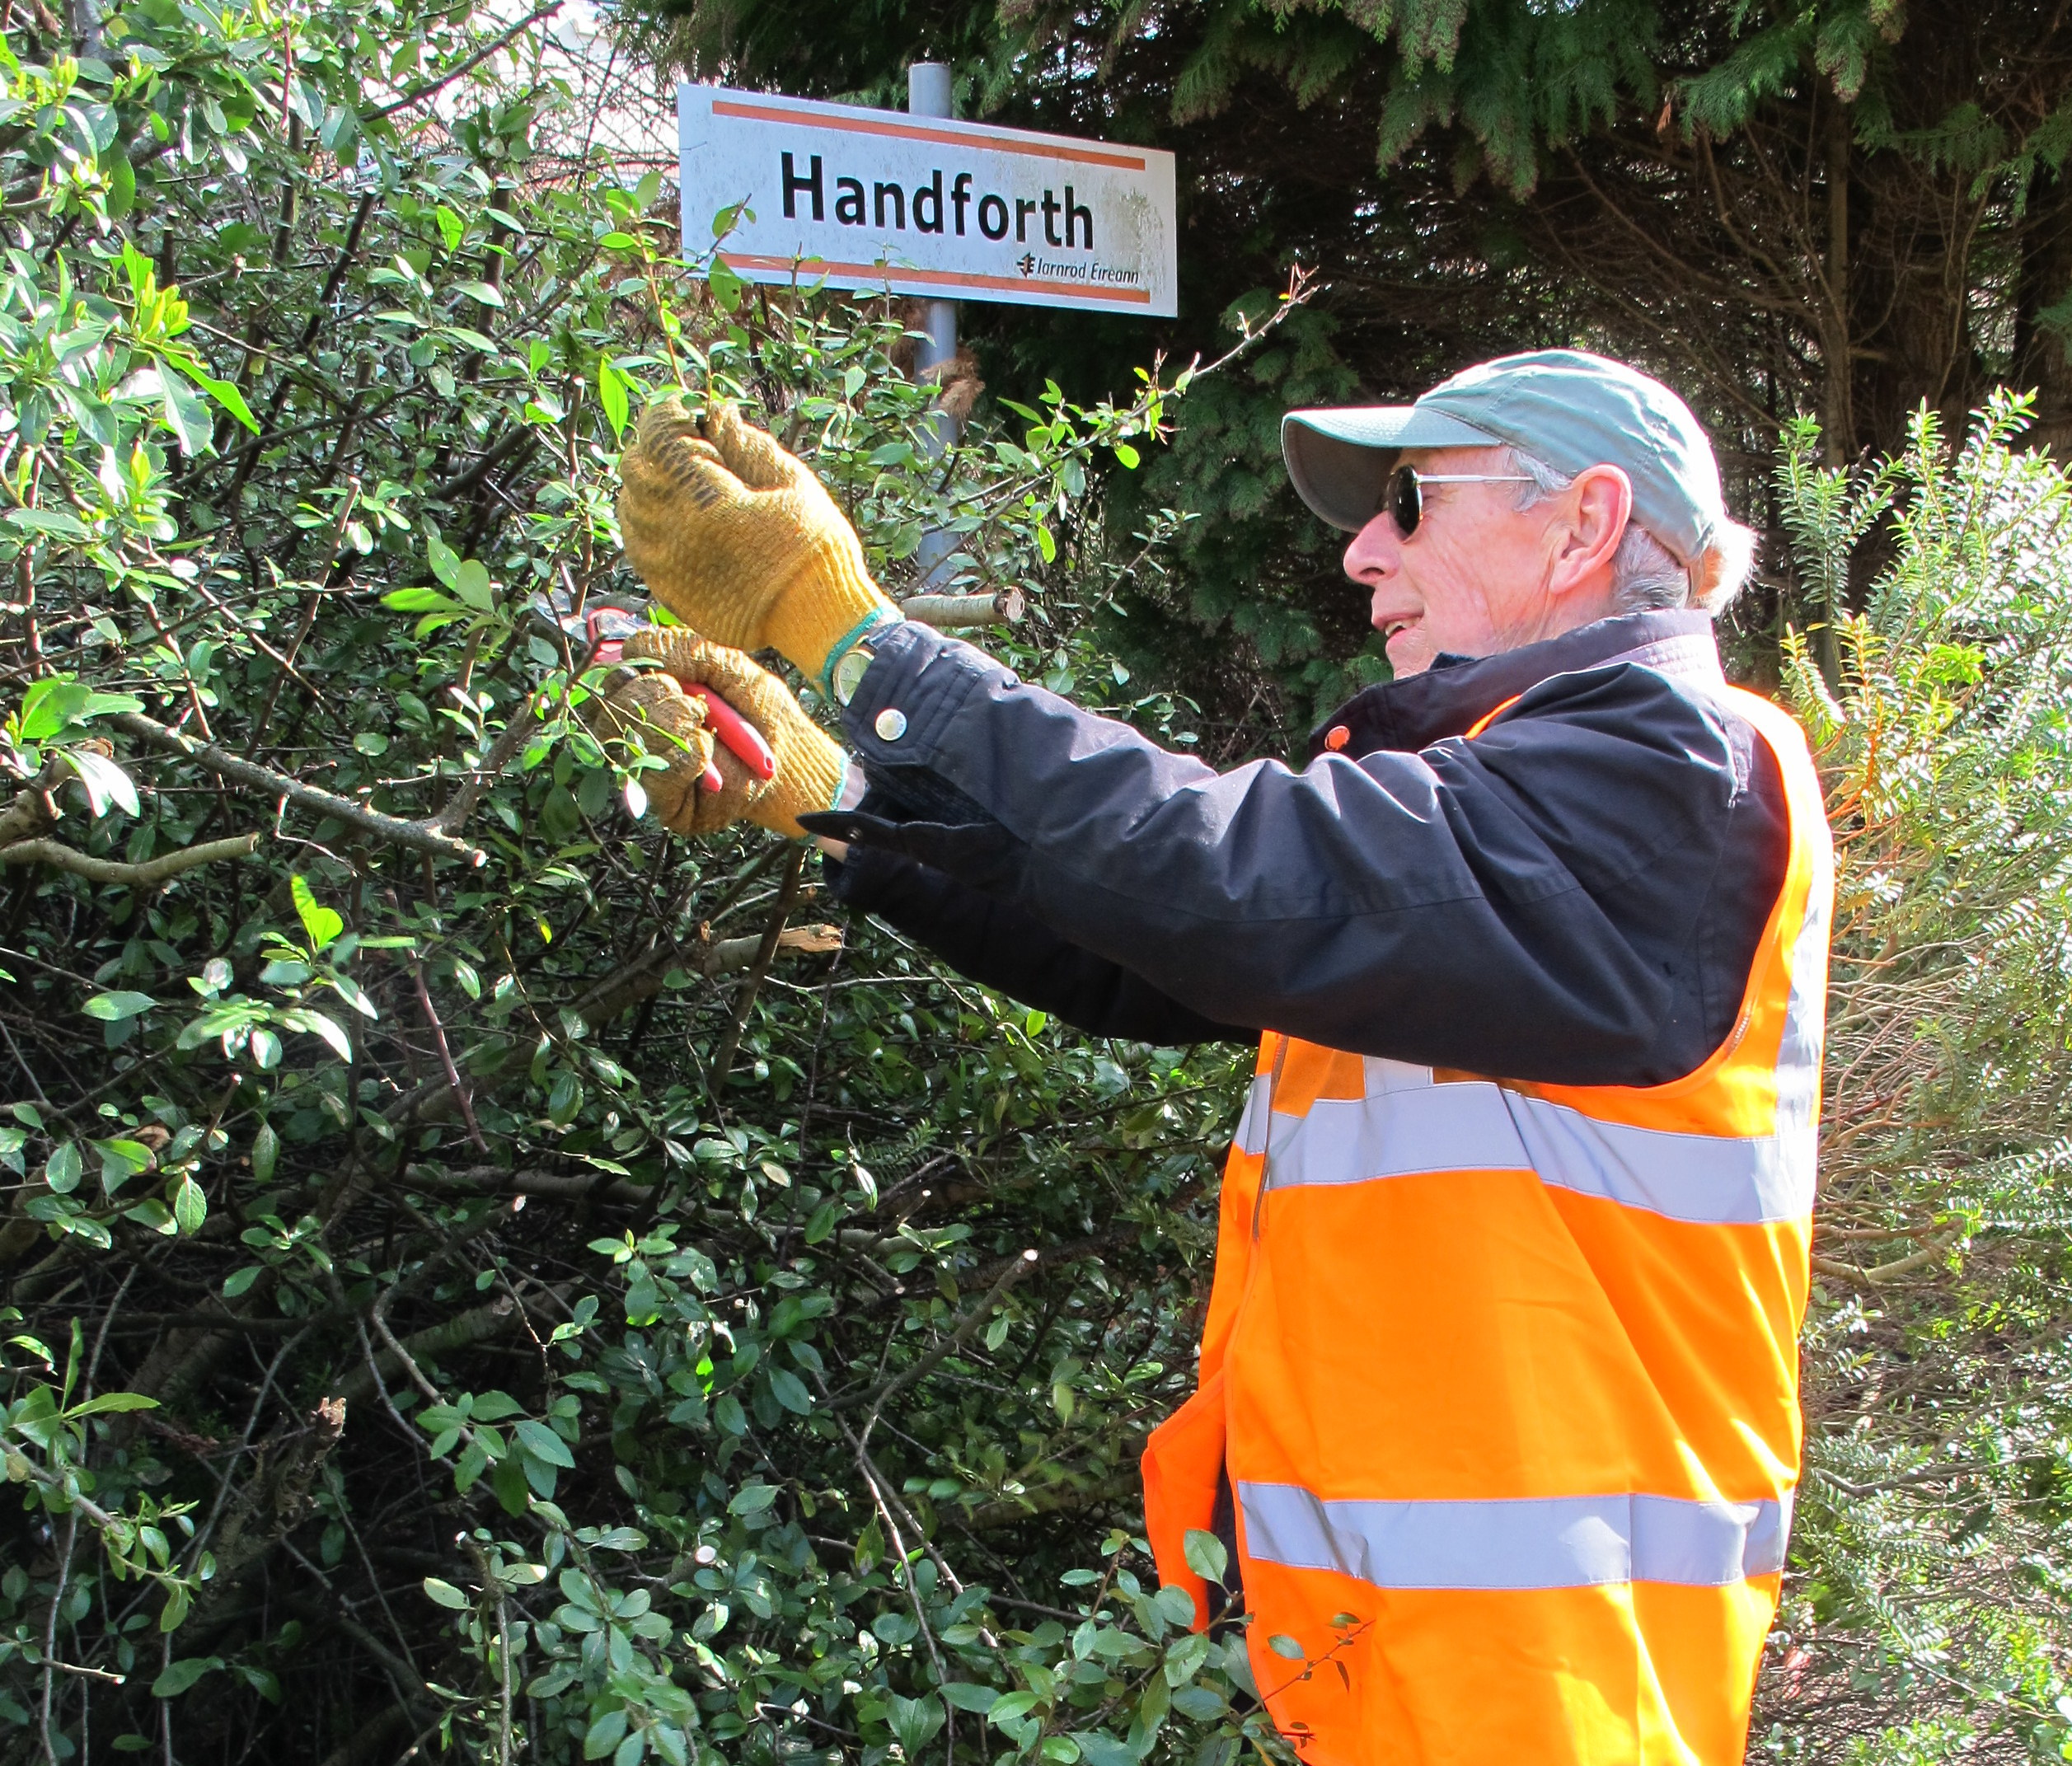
(1497, 1416)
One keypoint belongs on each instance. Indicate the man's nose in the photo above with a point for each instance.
(1375, 552)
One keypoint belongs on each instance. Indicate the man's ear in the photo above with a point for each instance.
(1599, 504)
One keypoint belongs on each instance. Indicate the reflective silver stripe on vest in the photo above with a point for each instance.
(1475, 1125)
(1522, 1542)
(1251, 1127)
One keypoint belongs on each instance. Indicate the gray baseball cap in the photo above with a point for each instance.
(1567, 407)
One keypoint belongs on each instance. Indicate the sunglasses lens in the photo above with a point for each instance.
(1405, 504)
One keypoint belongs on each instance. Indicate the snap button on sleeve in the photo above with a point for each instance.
(1336, 737)
(891, 725)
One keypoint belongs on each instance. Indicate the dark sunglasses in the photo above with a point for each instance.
(1405, 501)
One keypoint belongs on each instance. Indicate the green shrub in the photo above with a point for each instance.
(485, 1276)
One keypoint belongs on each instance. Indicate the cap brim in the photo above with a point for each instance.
(1339, 460)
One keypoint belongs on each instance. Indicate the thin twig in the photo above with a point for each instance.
(421, 836)
(766, 954)
(418, 94)
(459, 807)
(88, 1673)
(50, 1631)
(876, 1396)
(446, 1056)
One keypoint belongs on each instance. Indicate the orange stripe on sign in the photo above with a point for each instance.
(863, 125)
(808, 268)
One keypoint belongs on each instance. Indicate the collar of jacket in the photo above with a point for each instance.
(1450, 696)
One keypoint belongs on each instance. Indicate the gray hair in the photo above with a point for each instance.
(1645, 577)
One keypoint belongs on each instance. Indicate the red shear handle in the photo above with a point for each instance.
(743, 740)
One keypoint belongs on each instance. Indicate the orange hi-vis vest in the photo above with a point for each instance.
(1504, 1377)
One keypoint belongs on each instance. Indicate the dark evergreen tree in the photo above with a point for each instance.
(1841, 209)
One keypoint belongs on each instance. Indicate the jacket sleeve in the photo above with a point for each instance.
(1002, 948)
(1524, 903)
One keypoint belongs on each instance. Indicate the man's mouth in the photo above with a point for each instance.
(1390, 628)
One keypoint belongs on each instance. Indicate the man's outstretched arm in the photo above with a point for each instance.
(1519, 903)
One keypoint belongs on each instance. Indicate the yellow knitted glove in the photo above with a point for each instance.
(810, 766)
(738, 540)
(652, 712)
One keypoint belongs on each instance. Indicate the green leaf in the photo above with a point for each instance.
(320, 1024)
(110, 1403)
(186, 415)
(472, 584)
(55, 523)
(543, 1444)
(752, 1499)
(189, 1207)
(446, 1593)
(226, 394)
(105, 782)
(180, 1676)
(444, 560)
(483, 291)
(604, 1735)
(48, 706)
(64, 1171)
(265, 1153)
(611, 394)
(322, 924)
(1206, 1555)
(507, 1478)
(1011, 1708)
(419, 600)
(1286, 1646)
(121, 1160)
(790, 1391)
(114, 1007)
(122, 197)
(1098, 1750)
(565, 1099)
(968, 1695)
(914, 1723)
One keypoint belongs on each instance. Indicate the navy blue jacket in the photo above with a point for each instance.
(1575, 896)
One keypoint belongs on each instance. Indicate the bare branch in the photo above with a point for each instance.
(419, 837)
(148, 875)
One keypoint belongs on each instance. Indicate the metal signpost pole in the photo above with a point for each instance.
(928, 94)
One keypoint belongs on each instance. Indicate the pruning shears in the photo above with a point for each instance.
(601, 630)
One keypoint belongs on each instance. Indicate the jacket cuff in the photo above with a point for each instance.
(904, 704)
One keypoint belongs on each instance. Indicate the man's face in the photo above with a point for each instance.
(1479, 575)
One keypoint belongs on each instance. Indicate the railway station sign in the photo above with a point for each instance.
(885, 201)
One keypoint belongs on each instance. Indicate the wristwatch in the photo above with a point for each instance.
(849, 673)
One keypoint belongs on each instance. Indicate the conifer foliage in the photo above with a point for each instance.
(1842, 207)
(1926, 1614)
